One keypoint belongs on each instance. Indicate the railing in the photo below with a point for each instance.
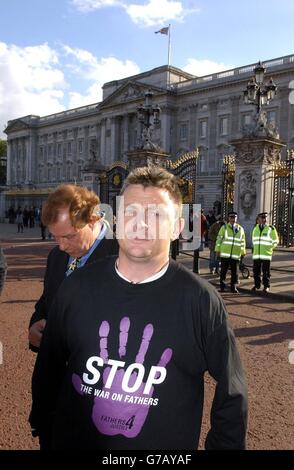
(234, 72)
(69, 112)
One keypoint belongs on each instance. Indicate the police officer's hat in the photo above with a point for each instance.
(232, 214)
(262, 214)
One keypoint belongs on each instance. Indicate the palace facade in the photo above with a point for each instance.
(196, 112)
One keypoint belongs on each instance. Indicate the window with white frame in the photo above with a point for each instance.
(183, 131)
(246, 119)
(203, 128)
(201, 163)
(272, 118)
(68, 172)
(224, 126)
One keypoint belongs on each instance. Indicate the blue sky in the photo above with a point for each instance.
(56, 54)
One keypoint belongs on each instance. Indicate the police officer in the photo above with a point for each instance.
(230, 246)
(264, 240)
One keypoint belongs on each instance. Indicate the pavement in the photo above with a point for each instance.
(282, 271)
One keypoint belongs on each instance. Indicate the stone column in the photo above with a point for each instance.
(102, 141)
(113, 124)
(165, 118)
(8, 164)
(213, 132)
(125, 134)
(27, 154)
(254, 178)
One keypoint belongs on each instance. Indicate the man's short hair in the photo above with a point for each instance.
(82, 204)
(156, 177)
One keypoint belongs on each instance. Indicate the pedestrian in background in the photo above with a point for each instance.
(212, 236)
(19, 220)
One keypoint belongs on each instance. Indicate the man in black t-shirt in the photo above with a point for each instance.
(127, 342)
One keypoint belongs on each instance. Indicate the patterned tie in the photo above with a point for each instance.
(73, 265)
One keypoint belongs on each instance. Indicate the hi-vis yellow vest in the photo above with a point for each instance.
(264, 241)
(231, 243)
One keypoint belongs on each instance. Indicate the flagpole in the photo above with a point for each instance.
(169, 48)
(169, 55)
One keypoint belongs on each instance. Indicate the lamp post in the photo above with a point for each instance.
(148, 117)
(257, 91)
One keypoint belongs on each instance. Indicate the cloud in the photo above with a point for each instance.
(87, 67)
(31, 81)
(205, 67)
(86, 6)
(41, 80)
(157, 12)
(152, 13)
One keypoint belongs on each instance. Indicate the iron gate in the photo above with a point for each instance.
(184, 168)
(283, 200)
(228, 174)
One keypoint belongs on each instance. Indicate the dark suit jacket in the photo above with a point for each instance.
(55, 273)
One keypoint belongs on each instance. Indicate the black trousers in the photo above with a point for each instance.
(265, 266)
(225, 264)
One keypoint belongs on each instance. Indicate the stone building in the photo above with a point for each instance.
(204, 112)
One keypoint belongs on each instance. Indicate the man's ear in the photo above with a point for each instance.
(93, 220)
(178, 228)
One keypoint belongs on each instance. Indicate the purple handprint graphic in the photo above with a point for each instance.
(122, 405)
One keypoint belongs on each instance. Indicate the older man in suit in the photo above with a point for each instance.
(72, 216)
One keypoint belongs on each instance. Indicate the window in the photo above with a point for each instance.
(271, 118)
(69, 148)
(203, 129)
(201, 163)
(68, 173)
(246, 119)
(80, 146)
(183, 131)
(59, 150)
(224, 126)
(58, 173)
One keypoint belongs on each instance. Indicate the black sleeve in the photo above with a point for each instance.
(49, 371)
(229, 408)
(41, 305)
(3, 269)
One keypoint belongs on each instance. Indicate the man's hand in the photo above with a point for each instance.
(36, 332)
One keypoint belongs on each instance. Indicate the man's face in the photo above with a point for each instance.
(232, 219)
(262, 220)
(147, 222)
(75, 242)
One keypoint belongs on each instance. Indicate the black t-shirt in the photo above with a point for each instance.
(121, 365)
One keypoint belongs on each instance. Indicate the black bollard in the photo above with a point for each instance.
(196, 261)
